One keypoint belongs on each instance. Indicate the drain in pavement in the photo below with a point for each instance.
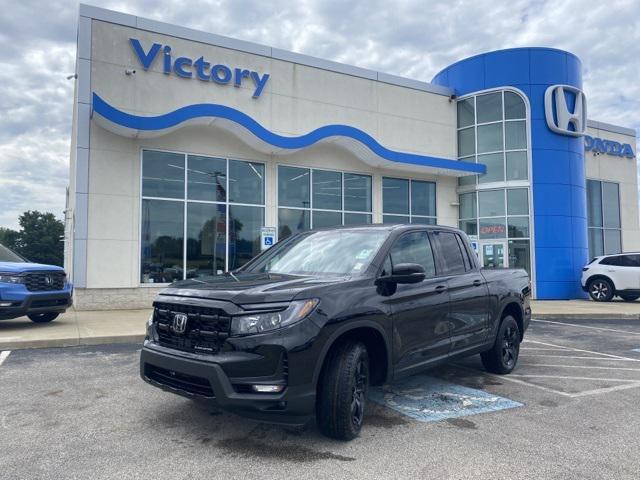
(429, 399)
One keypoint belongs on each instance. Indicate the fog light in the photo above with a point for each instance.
(6, 304)
(267, 388)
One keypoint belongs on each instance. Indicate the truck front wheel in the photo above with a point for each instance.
(43, 317)
(342, 391)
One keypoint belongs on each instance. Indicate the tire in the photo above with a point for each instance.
(342, 391)
(502, 358)
(601, 290)
(629, 298)
(43, 317)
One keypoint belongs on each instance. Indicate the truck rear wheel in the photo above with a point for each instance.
(503, 356)
(342, 391)
(43, 317)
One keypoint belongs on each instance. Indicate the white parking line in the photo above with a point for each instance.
(605, 390)
(585, 358)
(3, 356)
(588, 326)
(584, 351)
(580, 366)
(568, 377)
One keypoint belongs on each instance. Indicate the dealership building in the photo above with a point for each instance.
(189, 150)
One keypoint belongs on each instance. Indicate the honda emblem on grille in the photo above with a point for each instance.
(48, 280)
(179, 322)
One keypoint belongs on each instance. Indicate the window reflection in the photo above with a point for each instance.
(206, 239)
(162, 241)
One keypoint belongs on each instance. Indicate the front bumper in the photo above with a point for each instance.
(203, 377)
(35, 303)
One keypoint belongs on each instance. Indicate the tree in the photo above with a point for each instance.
(8, 238)
(40, 238)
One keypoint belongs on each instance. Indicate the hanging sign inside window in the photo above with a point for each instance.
(268, 238)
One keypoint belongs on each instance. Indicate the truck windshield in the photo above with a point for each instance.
(331, 252)
(7, 255)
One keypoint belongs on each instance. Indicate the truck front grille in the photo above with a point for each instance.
(44, 281)
(205, 331)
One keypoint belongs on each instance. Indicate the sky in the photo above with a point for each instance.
(409, 38)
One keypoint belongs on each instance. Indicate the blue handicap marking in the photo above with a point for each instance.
(268, 240)
(429, 399)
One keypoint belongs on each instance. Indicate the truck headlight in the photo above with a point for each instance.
(267, 321)
(10, 278)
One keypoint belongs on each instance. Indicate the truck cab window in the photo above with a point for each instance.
(414, 247)
(450, 253)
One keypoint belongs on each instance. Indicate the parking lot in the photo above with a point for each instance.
(570, 410)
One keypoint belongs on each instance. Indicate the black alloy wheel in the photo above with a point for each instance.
(502, 358)
(358, 396)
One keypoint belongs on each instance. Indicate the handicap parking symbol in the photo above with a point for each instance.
(268, 241)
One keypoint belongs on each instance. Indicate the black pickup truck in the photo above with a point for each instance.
(308, 325)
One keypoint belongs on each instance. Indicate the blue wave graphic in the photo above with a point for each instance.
(189, 112)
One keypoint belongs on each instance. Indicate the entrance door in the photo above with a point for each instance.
(494, 255)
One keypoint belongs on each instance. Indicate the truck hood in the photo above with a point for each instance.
(244, 288)
(22, 267)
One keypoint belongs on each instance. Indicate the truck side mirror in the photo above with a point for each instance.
(404, 273)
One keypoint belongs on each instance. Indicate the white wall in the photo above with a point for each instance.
(297, 99)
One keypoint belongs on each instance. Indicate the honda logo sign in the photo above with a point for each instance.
(560, 119)
(179, 322)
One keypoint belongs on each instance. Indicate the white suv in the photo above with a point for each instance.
(612, 275)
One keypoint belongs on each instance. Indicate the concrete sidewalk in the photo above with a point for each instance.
(128, 326)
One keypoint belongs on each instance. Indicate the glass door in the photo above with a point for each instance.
(493, 255)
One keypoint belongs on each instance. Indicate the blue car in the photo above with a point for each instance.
(41, 292)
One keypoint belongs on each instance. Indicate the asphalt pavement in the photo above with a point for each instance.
(571, 411)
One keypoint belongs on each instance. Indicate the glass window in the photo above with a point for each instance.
(326, 219)
(386, 267)
(468, 179)
(470, 227)
(244, 234)
(162, 243)
(466, 142)
(520, 255)
(517, 201)
(327, 190)
(594, 203)
(491, 203)
(292, 221)
(357, 218)
(206, 178)
(489, 107)
(395, 195)
(612, 242)
(518, 227)
(206, 239)
(596, 242)
(515, 135)
(390, 219)
(246, 182)
(423, 198)
(465, 113)
(610, 205)
(495, 168)
(162, 174)
(492, 228)
(450, 253)
(357, 192)
(467, 208)
(414, 247)
(517, 168)
(423, 220)
(293, 187)
(490, 138)
(514, 107)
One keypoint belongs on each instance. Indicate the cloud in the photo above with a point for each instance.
(413, 38)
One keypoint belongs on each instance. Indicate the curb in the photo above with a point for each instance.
(71, 342)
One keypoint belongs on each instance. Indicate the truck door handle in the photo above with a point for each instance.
(477, 283)
(440, 288)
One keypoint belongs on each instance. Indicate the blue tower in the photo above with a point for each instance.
(557, 177)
